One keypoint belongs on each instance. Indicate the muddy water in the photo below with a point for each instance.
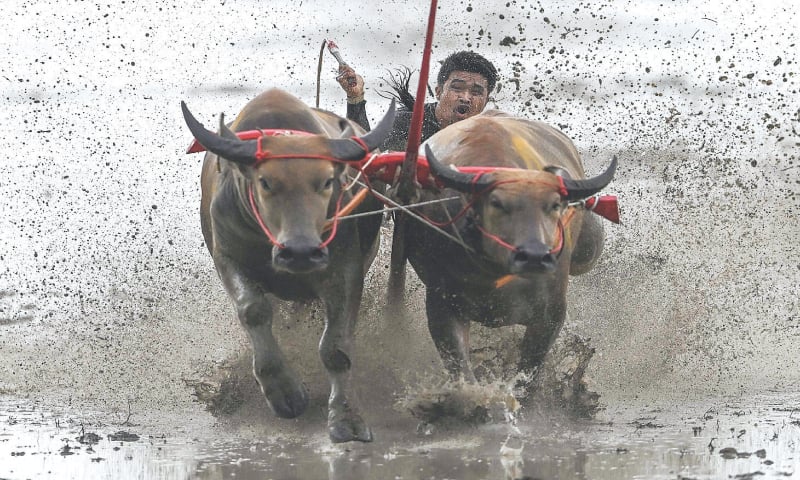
(113, 320)
(725, 439)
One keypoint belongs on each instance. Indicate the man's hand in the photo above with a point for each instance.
(351, 83)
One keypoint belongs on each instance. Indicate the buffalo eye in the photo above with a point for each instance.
(264, 184)
(495, 202)
(556, 206)
(328, 184)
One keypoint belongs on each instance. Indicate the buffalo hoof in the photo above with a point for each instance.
(287, 397)
(347, 426)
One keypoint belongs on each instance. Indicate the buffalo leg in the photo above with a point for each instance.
(449, 329)
(285, 393)
(345, 423)
(540, 335)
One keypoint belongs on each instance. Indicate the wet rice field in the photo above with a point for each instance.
(728, 439)
(122, 357)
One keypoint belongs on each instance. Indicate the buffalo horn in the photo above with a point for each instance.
(231, 149)
(346, 149)
(463, 182)
(584, 188)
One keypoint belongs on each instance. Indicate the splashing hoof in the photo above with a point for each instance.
(348, 427)
(289, 406)
(287, 397)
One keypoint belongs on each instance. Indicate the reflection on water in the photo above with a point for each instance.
(35, 443)
(730, 440)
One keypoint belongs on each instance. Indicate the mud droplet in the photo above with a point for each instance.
(728, 453)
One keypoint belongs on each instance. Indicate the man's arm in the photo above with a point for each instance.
(357, 112)
(353, 85)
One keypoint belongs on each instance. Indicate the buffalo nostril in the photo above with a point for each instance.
(528, 261)
(301, 258)
(521, 257)
(318, 255)
(548, 261)
(285, 254)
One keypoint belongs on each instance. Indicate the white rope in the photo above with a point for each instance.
(392, 209)
(582, 203)
(361, 171)
(405, 208)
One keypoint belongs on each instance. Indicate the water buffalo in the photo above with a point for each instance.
(266, 209)
(520, 236)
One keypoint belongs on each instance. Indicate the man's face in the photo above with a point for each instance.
(463, 95)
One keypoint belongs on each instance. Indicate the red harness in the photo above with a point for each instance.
(196, 147)
(264, 155)
(383, 167)
(556, 250)
(333, 223)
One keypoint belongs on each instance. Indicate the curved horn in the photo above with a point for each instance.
(583, 188)
(346, 149)
(463, 182)
(231, 149)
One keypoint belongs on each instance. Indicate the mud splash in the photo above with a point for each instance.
(462, 402)
(560, 383)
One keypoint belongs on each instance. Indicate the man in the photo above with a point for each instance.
(463, 85)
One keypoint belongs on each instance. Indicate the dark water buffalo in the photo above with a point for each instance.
(521, 238)
(264, 209)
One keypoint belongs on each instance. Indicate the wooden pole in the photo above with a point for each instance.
(406, 187)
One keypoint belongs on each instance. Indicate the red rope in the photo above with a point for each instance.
(557, 249)
(335, 222)
(264, 155)
(264, 228)
(497, 239)
(562, 189)
(475, 196)
(554, 250)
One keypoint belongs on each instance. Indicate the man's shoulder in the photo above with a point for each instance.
(402, 120)
(404, 110)
(403, 115)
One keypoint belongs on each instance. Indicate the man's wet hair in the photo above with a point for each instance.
(467, 61)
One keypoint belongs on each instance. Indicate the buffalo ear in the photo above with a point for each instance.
(556, 170)
(224, 130)
(347, 129)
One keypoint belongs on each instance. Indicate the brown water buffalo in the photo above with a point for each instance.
(521, 236)
(264, 209)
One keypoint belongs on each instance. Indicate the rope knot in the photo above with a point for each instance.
(261, 154)
(362, 145)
